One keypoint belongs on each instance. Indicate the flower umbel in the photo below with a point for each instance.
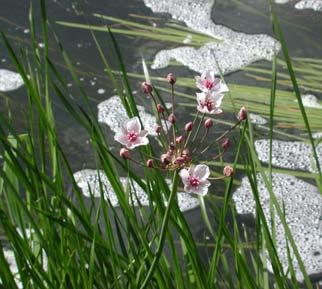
(195, 179)
(182, 146)
(131, 134)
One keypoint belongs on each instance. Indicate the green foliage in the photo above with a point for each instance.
(77, 245)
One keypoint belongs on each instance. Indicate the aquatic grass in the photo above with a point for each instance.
(94, 245)
(286, 115)
(172, 33)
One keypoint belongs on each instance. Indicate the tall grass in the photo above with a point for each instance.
(60, 241)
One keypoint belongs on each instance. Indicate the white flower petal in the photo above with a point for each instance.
(201, 96)
(184, 174)
(143, 133)
(121, 138)
(201, 172)
(133, 125)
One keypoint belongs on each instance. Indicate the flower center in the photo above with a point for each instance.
(208, 104)
(194, 181)
(208, 84)
(132, 136)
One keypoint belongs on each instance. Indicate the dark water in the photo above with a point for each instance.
(302, 32)
(250, 17)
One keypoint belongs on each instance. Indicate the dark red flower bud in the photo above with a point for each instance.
(146, 87)
(242, 115)
(160, 108)
(208, 123)
(172, 118)
(228, 171)
(171, 148)
(149, 163)
(158, 129)
(165, 159)
(171, 78)
(179, 160)
(188, 126)
(179, 139)
(125, 153)
(225, 144)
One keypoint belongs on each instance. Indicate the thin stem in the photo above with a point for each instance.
(162, 232)
(222, 136)
(201, 140)
(172, 98)
(198, 129)
(166, 125)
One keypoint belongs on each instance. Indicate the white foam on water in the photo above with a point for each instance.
(257, 119)
(289, 155)
(311, 101)
(317, 135)
(89, 182)
(9, 80)
(101, 91)
(112, 113)
(281, 1)
(234, 50)
(303, 213)
(309, 4)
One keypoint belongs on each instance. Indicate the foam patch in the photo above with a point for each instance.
(89, 182)
(311, 101)
(303, 212)
(317, 135)
(9, 80)
(112, 113)
(289, 155)
(233, 51)
(316, 5)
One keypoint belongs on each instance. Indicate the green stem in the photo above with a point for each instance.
(162, 232)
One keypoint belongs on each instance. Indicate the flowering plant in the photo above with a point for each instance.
(181, 148)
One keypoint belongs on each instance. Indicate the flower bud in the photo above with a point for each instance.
(149, 163)
(185, 152)
(188, 126)
(146, 87)
(242, 115)
(225, 144)
(160, 108)
(158, 129)
(186, 155)
(172, 118)
(179, 160)
(172, 147)
(125, 153)
(165, 159)
(228, 171)
(171, 78)
(208, 123)
(179, 139)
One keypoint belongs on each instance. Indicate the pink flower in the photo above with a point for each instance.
(195, 179)
(131, 134)
(209, 102)
(207, 82)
